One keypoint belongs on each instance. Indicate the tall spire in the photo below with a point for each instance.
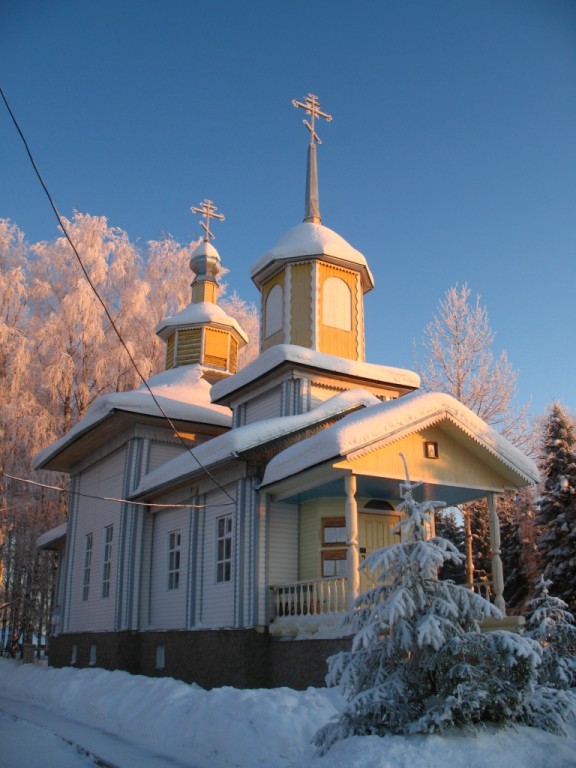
(205, 261)
(312, 200)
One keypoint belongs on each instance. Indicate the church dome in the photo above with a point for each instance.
(310, 239)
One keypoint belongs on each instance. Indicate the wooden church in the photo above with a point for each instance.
(218, 516)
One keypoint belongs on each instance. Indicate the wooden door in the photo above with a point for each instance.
(374, 532)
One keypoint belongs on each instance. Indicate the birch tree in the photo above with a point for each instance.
(456, 357)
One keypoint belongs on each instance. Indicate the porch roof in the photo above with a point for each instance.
(312, 463)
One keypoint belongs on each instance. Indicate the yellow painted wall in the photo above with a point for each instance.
(311, 514)
(335, 341)
(216, 348)
(456, 463)
(189, 344)
(301, 305)
(278, 337)
(204, 290)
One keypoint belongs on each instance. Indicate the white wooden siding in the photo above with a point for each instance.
(160, 453)
(318, 395)
(168, 606)
(106, 478)
(283, 546)
(216, 606)
(266, 406)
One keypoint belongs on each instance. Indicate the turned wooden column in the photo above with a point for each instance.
(353, 554)
(497, 570)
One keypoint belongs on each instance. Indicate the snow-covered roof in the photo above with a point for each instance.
(281, 353)
(197, 314)
(388, 422)
(250, 436)
(181, 392)
(310, 239)
(50, 537)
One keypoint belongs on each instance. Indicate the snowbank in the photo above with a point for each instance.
(231, 728)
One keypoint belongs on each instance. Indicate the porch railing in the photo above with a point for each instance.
(310, 598)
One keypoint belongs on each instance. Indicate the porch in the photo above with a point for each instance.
(317, 606)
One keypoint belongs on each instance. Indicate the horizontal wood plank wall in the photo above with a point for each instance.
(301, 305)
(160, 453)
(217, 597)
(311, 514)
(456, 460)
(335, 341)
(168, 606)
(266, 406)
(269, 340)
(106, 478)
(216, 348)
(283, 543)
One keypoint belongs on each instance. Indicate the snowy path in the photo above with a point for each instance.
(34, 737)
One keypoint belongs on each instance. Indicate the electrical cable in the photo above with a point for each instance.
(101, 301)
(102, 498)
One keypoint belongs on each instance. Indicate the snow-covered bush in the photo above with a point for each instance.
(552, 625)
(419, 662)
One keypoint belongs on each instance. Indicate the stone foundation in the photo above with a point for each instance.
(243, 658)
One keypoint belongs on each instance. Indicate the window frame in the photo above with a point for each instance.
(88, 549)
(223, 560)
(174, 559)
(107, 561)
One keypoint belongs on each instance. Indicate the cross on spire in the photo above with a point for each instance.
(312, 107)
(207, 210)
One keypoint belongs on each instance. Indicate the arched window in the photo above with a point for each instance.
(337, 304)
(274, 310)
(379, 504)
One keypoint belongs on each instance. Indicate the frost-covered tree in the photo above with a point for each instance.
(556, 507)
(457, 358)
(58, 353)
(418, 662)
(552, 625)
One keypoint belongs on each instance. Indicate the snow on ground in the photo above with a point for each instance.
(231, 728)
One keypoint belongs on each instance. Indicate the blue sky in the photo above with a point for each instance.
(451, 157)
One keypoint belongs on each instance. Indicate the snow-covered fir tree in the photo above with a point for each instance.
(418, 661)
(556, 508)
(552, 625)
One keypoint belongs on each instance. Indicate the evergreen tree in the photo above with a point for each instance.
(551, 625)
(556, 508)
(518, 553)
(447, 526)
(418, 662)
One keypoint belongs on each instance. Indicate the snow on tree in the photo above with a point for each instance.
(458, 359)
(58, 353)
(552, 625)
(556, 507)
(418, 661)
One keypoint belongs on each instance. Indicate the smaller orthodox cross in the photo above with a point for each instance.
(312, 107)
(207, 209)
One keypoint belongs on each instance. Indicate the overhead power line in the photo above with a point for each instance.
(101, 301)
(100, 498)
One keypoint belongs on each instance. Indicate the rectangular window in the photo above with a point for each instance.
(333, 531)
(109, 531)
(174, 560)
(87, 564)
(224, 548)
(334, 563)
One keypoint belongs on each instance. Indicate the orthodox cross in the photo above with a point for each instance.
(207, 209)
(312, 107)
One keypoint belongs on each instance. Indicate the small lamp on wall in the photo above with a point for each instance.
(430, 449)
